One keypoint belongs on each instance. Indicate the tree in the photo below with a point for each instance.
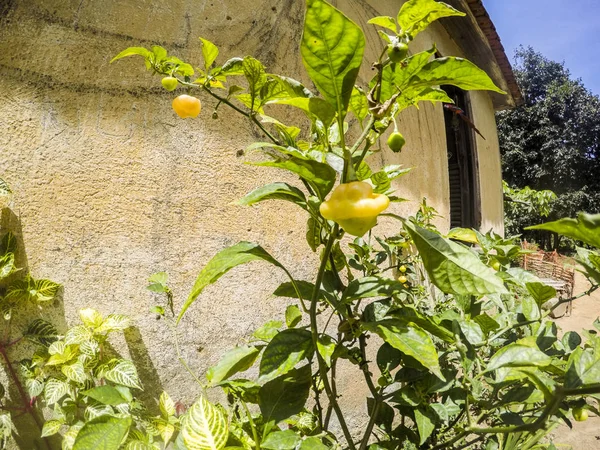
(552, 141)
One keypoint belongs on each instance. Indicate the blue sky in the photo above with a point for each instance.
(562, 30)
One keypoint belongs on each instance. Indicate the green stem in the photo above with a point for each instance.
(374, 392)
(180, 358)
(315, 338)
(252, 426)
(250, 115)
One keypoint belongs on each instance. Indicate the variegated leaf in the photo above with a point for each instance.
(204, 427)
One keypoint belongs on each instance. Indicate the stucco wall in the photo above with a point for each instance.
(110, 186)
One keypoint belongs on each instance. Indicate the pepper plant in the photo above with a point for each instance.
(450, 337)
(463, 353)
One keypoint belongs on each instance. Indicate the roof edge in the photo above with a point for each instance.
(489, 30)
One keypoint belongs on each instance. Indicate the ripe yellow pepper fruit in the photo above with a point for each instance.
(354, 207)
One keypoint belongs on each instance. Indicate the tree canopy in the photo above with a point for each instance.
(552, 141)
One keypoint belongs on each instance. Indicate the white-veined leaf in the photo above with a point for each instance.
(204, 427)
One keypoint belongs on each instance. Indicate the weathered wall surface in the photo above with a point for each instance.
(110, 186)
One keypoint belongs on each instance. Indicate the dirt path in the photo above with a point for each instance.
(584, 435)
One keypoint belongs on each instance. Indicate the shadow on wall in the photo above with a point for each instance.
(26, 412)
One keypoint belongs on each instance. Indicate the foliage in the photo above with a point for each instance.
(463, 351)
(551, 141)
(522, 207)
(87, 392)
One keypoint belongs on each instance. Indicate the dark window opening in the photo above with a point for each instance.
(462, 163)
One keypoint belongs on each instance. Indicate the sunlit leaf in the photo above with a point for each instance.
(453, 268)
(455, 71)
(221, 263)
(284, 352)
(103, 433)
(204, 427)
(209, 52)
(275, 191)
(236, 360)
(585, 228)
(332, 51)
(416, 15)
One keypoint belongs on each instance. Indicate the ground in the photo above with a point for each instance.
(584, 435)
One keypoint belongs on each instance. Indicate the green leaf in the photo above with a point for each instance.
(7, 265)
(395, 77)
(90, 317)
(453, 268)
(107, 395)
(410, 340)
(113, 322)
(256, 76)
(463, 234)
(412, 97)
(319, 175)
(293, 316)
(472, 331)
(425, 424)
(385, 22)
(457, 72)
(583, 368)
(268, 330)
(103, 433)
(122, 372)
(235, 360)
(204, 427)
(359, 105)
(332, 51)
(285, 395)
(305, 288)
(293, 87)
(209, 52)
(55, 390)
(233, 66)
(284, 352)
(51, 427)
(313, 233)
(281, 440)
(313, 443)
(8, 244)
(166, 405)
(585, 228)
(326, 347)
(28, 289)
(540, 292)
(275, 191)
(221, 263)
(41, 332)
(141, 51)
(314, 107)
(368, 287)
(75, 372)
(519, 355)
(486, 323)
(416, 15)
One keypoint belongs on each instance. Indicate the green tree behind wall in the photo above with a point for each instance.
(552, 141)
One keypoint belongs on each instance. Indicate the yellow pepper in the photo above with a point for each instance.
(354, 207)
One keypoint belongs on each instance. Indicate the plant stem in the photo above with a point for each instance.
(27, 404)
(315, 337)
(252, 426)
(180, 358)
